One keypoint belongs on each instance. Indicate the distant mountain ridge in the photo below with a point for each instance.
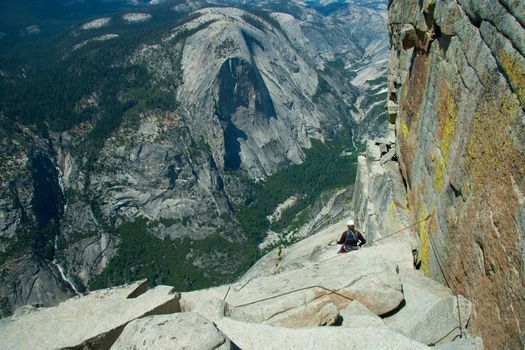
(154, 141)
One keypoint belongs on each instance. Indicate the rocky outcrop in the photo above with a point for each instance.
(311, 295)
(430, 310)
(92, 321)
(372, 298)
(259, 337)
(188, 331)
(357, 315)
(456, 76)
(380, 201)
(276, 291)
(311, 290)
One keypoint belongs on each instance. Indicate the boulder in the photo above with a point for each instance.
(313, 249)
(462, 344)
(126, 291)
(372, 279)
(430, 315)
(299, 297)
(257, 336)
(188, 331)
(206, 302)
(320, 247)
(24, 311)
(356, 315)
(92, 321)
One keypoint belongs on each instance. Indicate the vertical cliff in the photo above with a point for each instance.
(457, 98)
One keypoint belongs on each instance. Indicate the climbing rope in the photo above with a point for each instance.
(333, 257)
(331, 291)
(244, 285)
(438, 259)
(226, 295)
(403, 229)
(377, 240)
(443, 337)
(336, 292)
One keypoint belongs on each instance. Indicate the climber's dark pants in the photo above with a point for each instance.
(347, 248)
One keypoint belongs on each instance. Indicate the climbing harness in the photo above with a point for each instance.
(379, 239)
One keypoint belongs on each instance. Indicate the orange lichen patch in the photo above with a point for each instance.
(447, 118)
(409, 108)
(417, 81)
(515, 73)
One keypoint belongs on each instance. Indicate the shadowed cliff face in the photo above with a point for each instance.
(47, 205)
(241, 89)
(456, 72)
(48, 201)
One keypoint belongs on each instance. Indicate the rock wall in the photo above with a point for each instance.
(380, 199)
(457, 97)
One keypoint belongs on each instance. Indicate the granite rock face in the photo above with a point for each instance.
(320, 247)
(304, 296)
(430, 311)
(285, 289)
(43, 285)
(188, 331)
(380, 201)
(456, 76)
(92, 321)
(257, 336)
(307, 293)
(462, 344)
(357, 315)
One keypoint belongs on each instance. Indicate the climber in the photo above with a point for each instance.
(351, 239)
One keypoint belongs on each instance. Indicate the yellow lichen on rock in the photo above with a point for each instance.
(489, 133)
(447, 119)
(404, 129)
(515, 73)
(440, 168)
(449, 127)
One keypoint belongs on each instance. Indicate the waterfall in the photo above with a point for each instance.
(63, 275)
(60, 177)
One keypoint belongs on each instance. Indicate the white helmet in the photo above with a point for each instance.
(350, 222)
